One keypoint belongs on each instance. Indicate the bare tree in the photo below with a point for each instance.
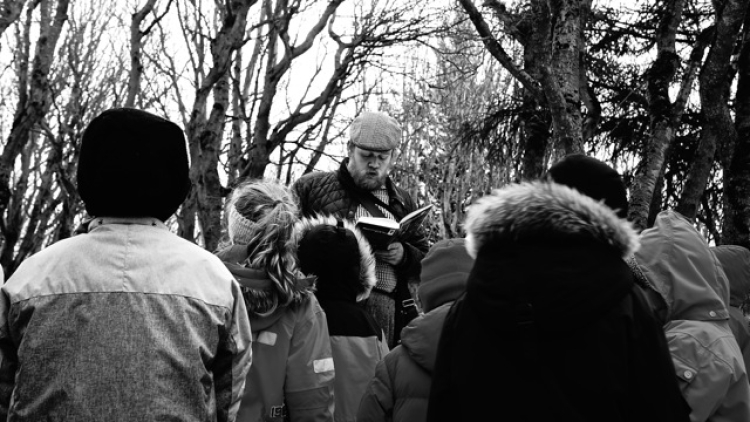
(35, 98)
(663, 115)
(136, 47)
(205, 132)
(555, 81)
(736, 201)
(714, 94)
(44, 202)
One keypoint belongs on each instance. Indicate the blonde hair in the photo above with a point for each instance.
(261, 214)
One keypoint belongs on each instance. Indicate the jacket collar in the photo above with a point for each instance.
(142, 221)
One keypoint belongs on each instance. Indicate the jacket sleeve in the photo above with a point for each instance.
(233, 359)
(310, 372)
(654, 386)
(377, 402)
(8, 358)
(711, 387)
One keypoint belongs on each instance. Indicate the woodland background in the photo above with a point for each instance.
(488, 94)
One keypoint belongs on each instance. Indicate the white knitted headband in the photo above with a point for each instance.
(240, 228)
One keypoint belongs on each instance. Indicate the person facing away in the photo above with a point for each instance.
(677, 262)
(362, 187)
(735, 261)
(401, 386)
(128, 321)
(292, 377)
(340, 258)
(549, 327)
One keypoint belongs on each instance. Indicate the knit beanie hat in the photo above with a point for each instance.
(133, 164)
(445, 269)
(593, 178)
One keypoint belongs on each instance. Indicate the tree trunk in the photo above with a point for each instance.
(717, 120)
(136, 47)
(736, 224)
(34, 109)
(204, 135)
(535, 116)
(561, 80)
(31, 111)
(208, 183)
(662, 123)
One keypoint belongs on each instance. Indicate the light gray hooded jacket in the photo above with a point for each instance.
(678, 262)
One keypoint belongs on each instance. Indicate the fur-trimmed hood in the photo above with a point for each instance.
(328, 259)
(545, 252)
(545, 211)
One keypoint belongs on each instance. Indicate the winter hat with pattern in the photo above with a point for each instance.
(375, 132)
(445, 269)
(133, 164)
(592, 178)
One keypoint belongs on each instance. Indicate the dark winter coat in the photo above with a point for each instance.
(551, 327)
(357, 342)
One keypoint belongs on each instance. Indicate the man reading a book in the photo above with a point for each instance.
(362, 187)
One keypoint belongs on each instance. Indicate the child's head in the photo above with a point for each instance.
(338, 255)
(261, 215)
(445, 270)
(133, 164)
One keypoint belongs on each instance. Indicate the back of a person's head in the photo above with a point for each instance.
(735, 262)
(260, 214)
(445, 270)
(133, 164)
(593, 178)
(337, 253)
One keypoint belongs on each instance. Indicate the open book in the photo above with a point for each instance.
(381, 231)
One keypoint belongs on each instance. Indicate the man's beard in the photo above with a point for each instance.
(367, 182)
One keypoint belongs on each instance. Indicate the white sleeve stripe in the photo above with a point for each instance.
(323, 365)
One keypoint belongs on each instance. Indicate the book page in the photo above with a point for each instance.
(411, 222)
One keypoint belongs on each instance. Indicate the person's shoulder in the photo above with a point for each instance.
(309, 309)
(705, 340)
(315, 176)
(63, 250)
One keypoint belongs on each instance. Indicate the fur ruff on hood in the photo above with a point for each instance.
(541, 210)
(367, 277)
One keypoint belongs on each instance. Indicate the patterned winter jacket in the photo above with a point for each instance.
(676, 259)
(292, 374)
(125, 323)
(331, 193)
